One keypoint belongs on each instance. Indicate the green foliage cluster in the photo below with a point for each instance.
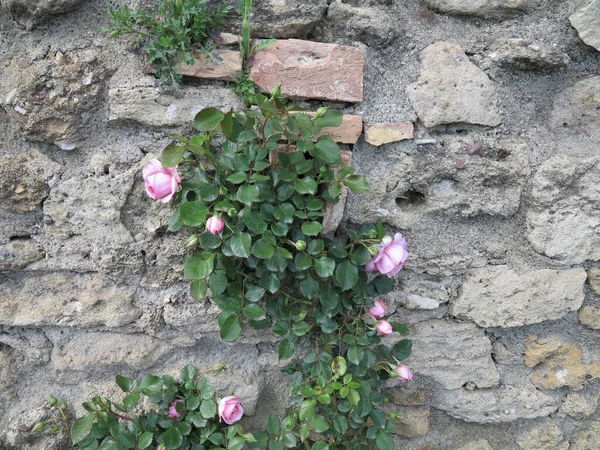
(172, 34)
(110, 425)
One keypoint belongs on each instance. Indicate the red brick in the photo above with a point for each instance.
(308, 69)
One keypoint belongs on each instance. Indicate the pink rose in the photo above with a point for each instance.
(391, 256)
(378, 310)
(215, 225)
(230, 409)
(161, 183)
(173, 414)
(384, 327)
(404, 373)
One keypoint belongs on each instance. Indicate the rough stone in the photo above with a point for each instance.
(452, 354)
(579, 405)
(556, 364)
(487, 9)
(577, 109)
(414, 301)
(498, 296)
(225, 65)
(594, 279)
(586, 21)
(54, 103)
(411, 396)
(481, 444)
(562, 220)
(371, 26)
(408, 189)
(334, 213)
(83, 352)
(148, 106)
(25, 178)
(588, 438)
(30, 13)
(521, 54)
(504, 404)
(19, 253)
(286, 18)
(545, 437)
(66, 299)
(451, 89)
(590, 317)
(90, 207)
(383, 133)
(308, 69)
(414, 421)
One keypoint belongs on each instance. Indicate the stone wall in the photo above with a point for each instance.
(497, 192)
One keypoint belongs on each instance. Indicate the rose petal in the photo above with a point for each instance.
(386, 265)
(153, 166)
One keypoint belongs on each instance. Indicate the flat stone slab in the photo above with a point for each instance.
(487, 9)
(383, 133)
(587, 23)
(452, 354)
(312, 70)
(504, 404)
(451, 89)
(497, 296)
(226, 66)
(148, 106)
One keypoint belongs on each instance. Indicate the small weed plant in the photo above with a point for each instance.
(172, 34)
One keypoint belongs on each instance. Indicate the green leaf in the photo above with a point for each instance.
(188, 373)
(285, 349)
(384, 441)
(272, 425)
(236, 443)
(383, 284)
(171, 155)
(331, 118)
(240, 244)
(208, 409)
(248, 193)
(145, 440)
(334, 190)
(208, 119)
(149, 384)
(131, 400)
(354, 397)
(307, 409)
(198, 289)
(311, 228)
(254, 312)
(255, 222)
(263, 249)
(254, 293)
(320, 445)
(302, 261)
(274, 444)
(193, 214)
(231, 329)
(328, 151)
(82, 427)
(400, 328)
(319, 424)
(218, 282)
(355, 354)
(324, 266)
(172, 438)
(126, 384)
(309, 287)
(289, 440)
(402, 349)
(198, 266)
(192, 402)
(346, 274)
(237, 178)
(357, 183)
(360, 256)
(305, 185)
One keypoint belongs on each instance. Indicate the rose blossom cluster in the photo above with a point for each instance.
(230, 409)
(377, 311)
(391, 257)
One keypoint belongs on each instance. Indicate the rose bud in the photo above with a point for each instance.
(384, 327)
(215, 225)
(230, 409)
(404, 373)
(378, 310)
(391, 257)
(173, 414)
(192, 240)
(161, 183)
